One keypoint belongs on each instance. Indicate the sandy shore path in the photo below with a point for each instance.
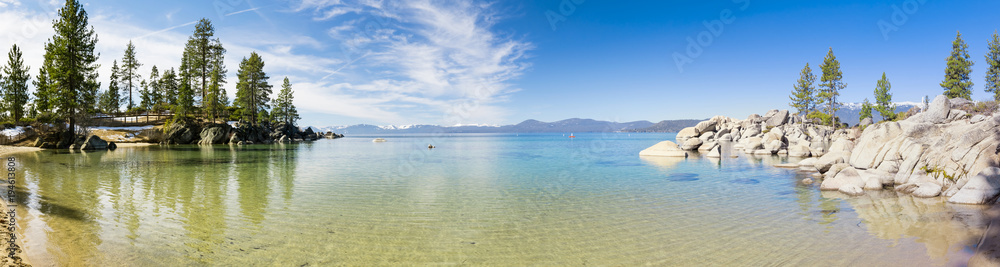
(18, 259)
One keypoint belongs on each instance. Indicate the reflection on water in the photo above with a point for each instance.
(478, 200)
(944, 229)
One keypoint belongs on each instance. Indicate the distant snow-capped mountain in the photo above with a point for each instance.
(528, 126)
(850, 113)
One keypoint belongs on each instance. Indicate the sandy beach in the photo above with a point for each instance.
(19, 259)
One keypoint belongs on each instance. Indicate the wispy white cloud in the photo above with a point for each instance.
(423, 57)
(5, 3)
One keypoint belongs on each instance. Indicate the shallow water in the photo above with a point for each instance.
(477, 199)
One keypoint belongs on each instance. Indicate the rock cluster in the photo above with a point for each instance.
(942, 151)
(66, 140)
(239, 134)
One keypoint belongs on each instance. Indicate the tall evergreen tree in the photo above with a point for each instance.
(185, 98)
(44, 85)
(154, 90)
(170, 86)
(145, 96)
(883, 99)
(130, 72)
(252, 90)
(202, 52)
(15, 84)
(993, 72)
(831, 84)
(111, 99)
(866, 110)
(284, 109)
(803, 94)
(213, 101)
(957, 81)
(74, 62)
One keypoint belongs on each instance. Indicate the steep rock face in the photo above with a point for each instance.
(214, 134)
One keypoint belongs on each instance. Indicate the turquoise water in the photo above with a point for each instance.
(476, 199)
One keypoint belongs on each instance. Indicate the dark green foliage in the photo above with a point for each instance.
(883, 99)
(830, 86)
(823, 118)
(15, 84)
(185, 99)
(44, 86)
(284, 108)
(74, 68)
(993, 72)
(110, 100)
(252, 90)
(956, 76)
(204, 56)
(803, 95)
(130, 72)
(169, 86)
(866, 110)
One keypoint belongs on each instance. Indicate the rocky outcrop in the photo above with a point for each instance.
(942, 151)
(181, 133)
(94, 142)
(332, 135)
(215, 134)
(980, 188)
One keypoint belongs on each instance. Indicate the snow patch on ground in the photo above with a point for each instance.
(12, 131)
(133, 128)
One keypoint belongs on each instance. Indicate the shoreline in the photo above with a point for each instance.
(21, 259)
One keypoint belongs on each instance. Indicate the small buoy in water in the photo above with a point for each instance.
(430, 146)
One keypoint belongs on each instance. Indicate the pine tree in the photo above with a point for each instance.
(252, 90)
(15, 84)
(44, 85)
(169, 85)
(130, 72)
(185, 98)
(866, 109)
(802, 97)
(74, 69)
(214, 106)
(883, 99)
(831, 85)
(284, 109)
(146, 100)
(111, 99)
(993, 72)
(202, 53)
(217, 100)
(155, 91)
(956, 76)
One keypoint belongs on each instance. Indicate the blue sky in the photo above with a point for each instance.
(476, 62)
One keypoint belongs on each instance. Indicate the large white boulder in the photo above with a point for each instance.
(979, 188)
(706, 126)
(847, 176)
(823, 163)
(691, 144)
(937, 111)
(779, 118)
(800, 151)
(686, 133)
(663, 149)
